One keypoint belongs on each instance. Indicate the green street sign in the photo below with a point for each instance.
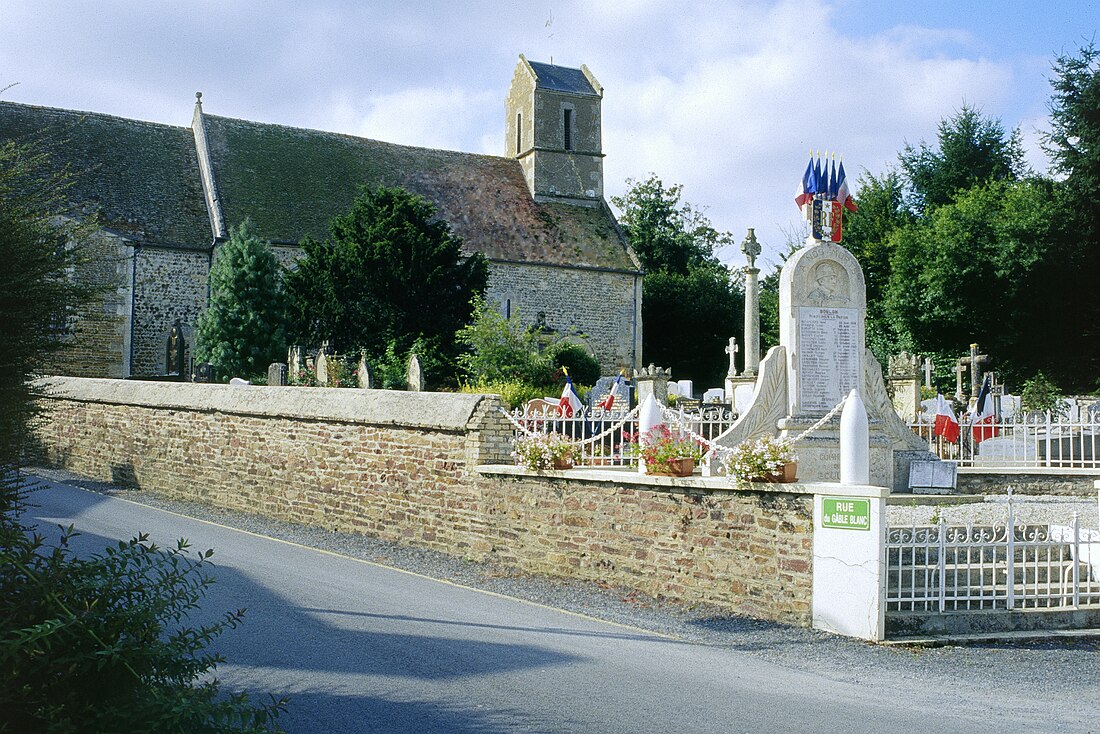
(846, 513)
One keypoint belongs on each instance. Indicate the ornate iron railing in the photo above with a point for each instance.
(602, 434)
(1031, 441)
(945, 568)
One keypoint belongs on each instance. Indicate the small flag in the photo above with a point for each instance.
(947, 425)
(807, 187)
(831, 194)
(569, 403)
(843, 195)
(609, 401)
(984, 425)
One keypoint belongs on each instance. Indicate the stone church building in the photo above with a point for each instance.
(166, 196)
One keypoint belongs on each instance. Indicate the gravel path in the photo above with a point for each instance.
(1023, 667)
(1028, 510)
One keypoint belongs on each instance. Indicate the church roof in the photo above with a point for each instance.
(562, 79)
(142, 177)
(292, 181)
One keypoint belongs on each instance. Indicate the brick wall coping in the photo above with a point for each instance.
(621, 476)
(425, 410)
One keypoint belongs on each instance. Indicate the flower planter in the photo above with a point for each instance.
(674, 468)
(565, 462)
(788, 475)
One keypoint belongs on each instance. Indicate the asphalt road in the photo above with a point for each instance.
(359, 647)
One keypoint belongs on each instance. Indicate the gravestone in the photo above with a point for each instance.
(933, 477)
(277, 374)
(363, 374)
(904, 370)
(415, 376)
(653, 381)
(821, 357)
(321, 368)
(603, 387)
(205, 372)
(714, 395)
(175, 351)
(295, 359)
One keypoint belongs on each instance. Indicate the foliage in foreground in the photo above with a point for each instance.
(101, 643)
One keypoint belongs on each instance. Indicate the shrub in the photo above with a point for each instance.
(1041, 395)
(99, 644)
(582, 366)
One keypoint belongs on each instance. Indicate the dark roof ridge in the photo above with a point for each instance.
(358, 138)
(90, 113)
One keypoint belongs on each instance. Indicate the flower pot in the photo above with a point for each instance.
(565, 462)
(786, 476)
(674, 468)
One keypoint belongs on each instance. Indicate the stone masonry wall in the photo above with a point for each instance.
(402, 466)
(598, 304)
(169, 285)
(997, 483)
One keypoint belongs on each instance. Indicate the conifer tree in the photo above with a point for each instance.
(243, 329)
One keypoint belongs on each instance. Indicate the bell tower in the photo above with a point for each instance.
(553, 128)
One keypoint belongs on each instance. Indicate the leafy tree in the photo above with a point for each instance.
(972, 149)
(690, 306)
(499, 348)
(666, 235)
(243, 329)
(389, 273)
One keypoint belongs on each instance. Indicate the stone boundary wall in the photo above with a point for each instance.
(425, 469)
(1031, 482)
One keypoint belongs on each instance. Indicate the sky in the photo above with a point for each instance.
(727, 99)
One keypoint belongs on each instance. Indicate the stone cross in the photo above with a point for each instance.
(732, 350)
(928, 367)
(974, 361)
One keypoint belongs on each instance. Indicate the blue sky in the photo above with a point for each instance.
(725, 98)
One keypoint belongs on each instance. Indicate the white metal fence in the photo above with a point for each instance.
(943, 568)
(614, 428)
(1029, 442)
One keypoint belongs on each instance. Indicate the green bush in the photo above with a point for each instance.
(514, 393)
(99, 644)
(1041, 395)
(582, 366)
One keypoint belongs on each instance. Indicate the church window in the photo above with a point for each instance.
(519, 132)
(567, 127)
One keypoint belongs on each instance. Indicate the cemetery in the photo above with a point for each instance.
(783, 511)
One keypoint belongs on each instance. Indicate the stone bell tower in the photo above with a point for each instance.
(553, 129)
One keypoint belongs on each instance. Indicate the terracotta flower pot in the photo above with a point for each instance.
(565, 462)
(786, 476)
(675, 468)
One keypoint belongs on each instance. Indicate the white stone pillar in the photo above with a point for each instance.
(855, 446)
(752, 321)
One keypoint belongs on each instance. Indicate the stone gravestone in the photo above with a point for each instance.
(277, 374)
(904, 370)
(321, 368)
(415, 377)
(363, 373)
(653, 381)
(295, 359)
(175, 351)
(205, 372)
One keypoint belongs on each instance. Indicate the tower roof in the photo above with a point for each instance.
(562, 79)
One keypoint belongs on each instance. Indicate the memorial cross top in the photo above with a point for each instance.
(973, 361)
(732, 350)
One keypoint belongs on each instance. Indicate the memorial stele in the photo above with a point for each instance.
(821, 356)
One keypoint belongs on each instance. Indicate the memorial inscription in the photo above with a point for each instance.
(828, 356)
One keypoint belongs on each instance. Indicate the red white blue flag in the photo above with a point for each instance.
(608, 402)
(984, 424)
(569, 403)
(947, 425)
(807, 187)
(843, 195)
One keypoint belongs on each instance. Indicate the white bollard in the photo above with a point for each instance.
(648, 416)
(855, 447)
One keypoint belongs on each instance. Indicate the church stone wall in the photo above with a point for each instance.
(599, 305)
(169, 285)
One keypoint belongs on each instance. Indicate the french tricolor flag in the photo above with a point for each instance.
(569, 403)
(984, 425)
(609, 401)
(843, 195)
(808, 186)
(947, 425)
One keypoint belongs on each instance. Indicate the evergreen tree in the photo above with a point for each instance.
(243, 330)
(390, 275)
